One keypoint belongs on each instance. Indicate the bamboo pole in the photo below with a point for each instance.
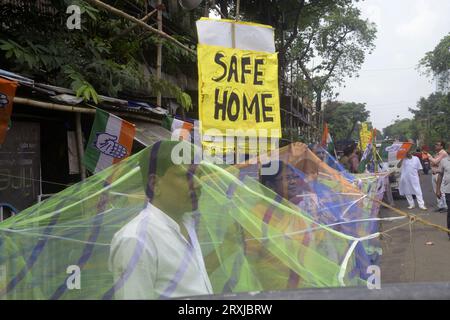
(52, 106)
(206, 10)
(80, 147)
(124, 15)
(66, 108)
(159, 54)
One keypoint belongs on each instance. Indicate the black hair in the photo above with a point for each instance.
(442, 143)
(349, 149)
(267, 179)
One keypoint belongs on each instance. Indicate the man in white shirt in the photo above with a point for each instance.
(435, 161)
(409, 180)
(157, 254)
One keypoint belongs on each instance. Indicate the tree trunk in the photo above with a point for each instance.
(319, 101)
(349, 135)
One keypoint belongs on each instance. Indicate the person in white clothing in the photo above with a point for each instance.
(157, 254)
(409, 180)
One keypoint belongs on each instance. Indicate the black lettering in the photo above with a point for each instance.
(233, 69)
(234, 99)
(258, 62)
(266, 108)
(222, 64)
(254, 104)
(220, 106)
(245, 62)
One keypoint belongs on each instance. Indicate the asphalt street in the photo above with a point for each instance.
(415, 252)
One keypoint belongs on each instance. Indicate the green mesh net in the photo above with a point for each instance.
(153, 228)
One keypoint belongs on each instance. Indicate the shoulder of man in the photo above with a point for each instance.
(444, 164)
(446, 161)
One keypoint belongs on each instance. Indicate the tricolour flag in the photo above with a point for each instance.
(181, 130)
(327, 142)
(396, 151)
(111, 141)
(7, 93)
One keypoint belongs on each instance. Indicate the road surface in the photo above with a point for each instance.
(406, 255)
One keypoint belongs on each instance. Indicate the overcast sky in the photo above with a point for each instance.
(389, 82)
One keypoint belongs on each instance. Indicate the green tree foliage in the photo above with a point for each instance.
(432, 118)
(436, 63)
(332, 48)
(431, 121)
(401, 130)
(329, 32)
(343, 119)
(98, 59)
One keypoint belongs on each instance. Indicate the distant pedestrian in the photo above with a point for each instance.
(435, 161)
(409, 180)
(350, 160)
(443, 185)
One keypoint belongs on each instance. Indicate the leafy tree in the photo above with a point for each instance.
(401, 130)
(337, 42)
(432, 118)
(436, 63)
(94, 60)
(343, 118)
(431, 121)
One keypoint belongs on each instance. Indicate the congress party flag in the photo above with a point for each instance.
(7, 93)
(395, 151)
(110, 141)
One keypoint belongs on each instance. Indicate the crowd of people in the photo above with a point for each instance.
(410, 166)
(440, 178)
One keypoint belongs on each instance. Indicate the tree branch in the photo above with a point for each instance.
(128, 30)
(305, 52)
(295, 33)
(307, 76)
(333, 66)
(124, 15)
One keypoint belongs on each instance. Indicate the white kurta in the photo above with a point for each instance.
(151, 259)
(409, 178)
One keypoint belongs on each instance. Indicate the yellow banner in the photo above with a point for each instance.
(365, 135)
(238, 90)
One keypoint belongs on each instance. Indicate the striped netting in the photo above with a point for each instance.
(283, 221)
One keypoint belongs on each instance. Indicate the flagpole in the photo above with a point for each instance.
(374, 149)
(159, 53)
(233, 44)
